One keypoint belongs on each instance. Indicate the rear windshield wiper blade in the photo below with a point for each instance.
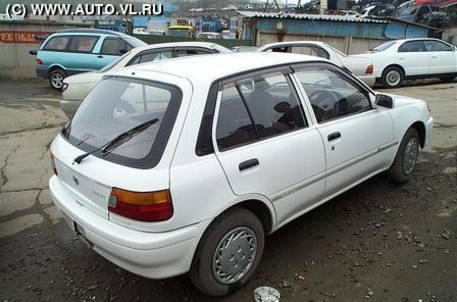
(118, 140)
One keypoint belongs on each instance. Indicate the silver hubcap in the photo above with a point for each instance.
(393, 77)
(57, 80)
(234, 255)
(410, 156)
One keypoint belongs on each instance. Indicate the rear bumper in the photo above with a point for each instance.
(42, 71)
(152, 255)
(369, 80)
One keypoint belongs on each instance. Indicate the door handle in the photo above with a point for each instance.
(333, 136)
(248, 164)
(434, 57)
(100, 56)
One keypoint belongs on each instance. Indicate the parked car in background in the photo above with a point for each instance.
(426, 14)
(395, 61)
(360, 65)
(72, 51)
(212, 161)
(75, 88)
(209, 36)
(244, 48)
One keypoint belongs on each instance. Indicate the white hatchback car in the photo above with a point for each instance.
(221, 151)
(360, 65)
(76, 88)
(395, 61)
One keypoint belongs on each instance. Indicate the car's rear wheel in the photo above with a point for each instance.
(392, 77)
(405, 160)
(56, 77)
(228, 253)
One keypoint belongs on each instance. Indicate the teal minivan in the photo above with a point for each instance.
(71, 51)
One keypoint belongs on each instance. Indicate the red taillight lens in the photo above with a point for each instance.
(149, 206)
(64, 86)
(53, 164)
(38, 61)
(369, 69)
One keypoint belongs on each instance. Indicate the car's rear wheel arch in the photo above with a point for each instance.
(56, 67)
(260, 210)
(389, 68)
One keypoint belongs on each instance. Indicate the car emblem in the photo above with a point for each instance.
(76, 180)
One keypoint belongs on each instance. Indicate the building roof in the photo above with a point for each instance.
(337, 18)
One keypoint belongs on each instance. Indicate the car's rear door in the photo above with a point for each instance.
(264, 143)
(414, 58)
(358, 138)
(442, 57)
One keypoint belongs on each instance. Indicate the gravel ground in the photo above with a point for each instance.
(376, 242)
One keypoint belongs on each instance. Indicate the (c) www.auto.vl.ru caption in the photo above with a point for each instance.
(93, 9)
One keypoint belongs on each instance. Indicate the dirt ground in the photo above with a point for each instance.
(376, 242)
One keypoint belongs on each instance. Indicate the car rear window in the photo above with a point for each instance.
(116, 106)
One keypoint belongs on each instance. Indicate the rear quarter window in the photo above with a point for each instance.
(57, 43)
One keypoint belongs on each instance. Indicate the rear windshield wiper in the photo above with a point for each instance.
(118, 140)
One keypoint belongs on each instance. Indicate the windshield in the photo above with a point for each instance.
(114, 62)
(118, 105)
(383, 46)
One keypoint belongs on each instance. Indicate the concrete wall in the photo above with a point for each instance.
(15, 60)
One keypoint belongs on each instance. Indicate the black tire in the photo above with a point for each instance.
(234, 233)
(405, 160)
(392, 77)
(56, 77)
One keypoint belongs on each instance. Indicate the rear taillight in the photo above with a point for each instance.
(148, 206)
(64, 86)
(53, 164)
(369, 69)
(38, 61)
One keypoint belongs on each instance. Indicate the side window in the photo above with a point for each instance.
(331, 94)
(57, 43)
(191, 52)
(436, 46)
(155, 56)
(113, 46)
(82, 43)
(256, 108)
(412, 46)
(311, 51)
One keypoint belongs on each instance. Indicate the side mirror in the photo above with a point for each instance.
(384, 100)
(122, 51)
(33, 52)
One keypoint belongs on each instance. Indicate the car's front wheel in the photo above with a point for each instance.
(405, 160)
(56, 78)
(392, 77)
(228, 253)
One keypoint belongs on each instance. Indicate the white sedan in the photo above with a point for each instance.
(360, 65)
(75, 88)
(211, 161)
(395, 61)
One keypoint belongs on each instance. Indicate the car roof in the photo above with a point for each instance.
(92, 31)
(279, 44)
(175, 44)
(210, 67)
(415, 39)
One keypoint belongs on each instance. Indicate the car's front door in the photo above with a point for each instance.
(265, 145)
(358, 138)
